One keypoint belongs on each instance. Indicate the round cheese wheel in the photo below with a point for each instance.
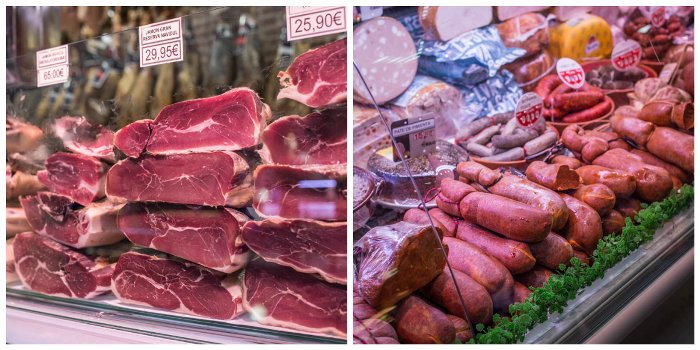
(386, 57)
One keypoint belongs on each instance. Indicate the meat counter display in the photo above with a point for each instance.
(204, 200)
(522, 174)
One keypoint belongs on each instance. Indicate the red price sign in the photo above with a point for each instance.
(529, 109)
(626, 55)
(570, 73)
(658, 15)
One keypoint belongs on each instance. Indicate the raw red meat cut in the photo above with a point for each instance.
(132, 139)
(317, 77)
(307, 246)
(301, 192)
(79, 177)
(81, 136)
(48, 267)
(231, 121)
(58, 217)
(207, 236)
(318, 138)
(175, 286)
(294, 300)
(208, 178)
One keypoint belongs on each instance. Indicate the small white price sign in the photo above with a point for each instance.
(529, 109)
(161, 42)
(310, 21)
(570, 73)
(626, 55)
(52, 66)
(658, 15)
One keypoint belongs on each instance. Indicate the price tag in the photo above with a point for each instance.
(626, 55)
(52, 66)
(161, 42)
(570, 73)
(529, 109)
(310, 21)
(658, 15)
(667, 72)
(414, 136)
(369, 12)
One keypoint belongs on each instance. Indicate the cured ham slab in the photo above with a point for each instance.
(317, 77)
(48, 267)
(58, 217)
(231, 121)
(291, 299)
(77, 176)
(301, 192)
(307, 246)
(318, 138)
(82, 137)
(208, 178)
(175, 286)
(210, 237)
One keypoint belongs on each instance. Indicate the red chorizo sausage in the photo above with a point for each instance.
(598, 196)
(556, 177)
(638, 131)
(576, 101)
(546, 85)
(551, 252)
(674, 147)
(584, 229)
(418, 322)
(613, 223)
(515, 256)
(572, 162)
(477, 300)
(594, 112)
(520, 292)
(653, 183)
(536, 277)
(583, 257)
(622, 183)
(628, 207)
(678, 176)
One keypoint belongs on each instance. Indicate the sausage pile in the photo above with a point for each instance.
(564, 104)
(656, 40)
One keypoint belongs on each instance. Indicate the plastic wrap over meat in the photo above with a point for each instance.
(395, 260)
(498, 94)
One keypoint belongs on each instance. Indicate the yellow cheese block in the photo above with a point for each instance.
(585, 36)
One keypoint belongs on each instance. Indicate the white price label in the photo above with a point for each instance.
(52, 66)
(529, 109)
(626, 55)
(658, 15)
(161, 42)
(570, 73)
(310, 21)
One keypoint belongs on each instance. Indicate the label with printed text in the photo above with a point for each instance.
(414, 136)
(310, 21)
(52, 66)
(626, 55)
(570, 73)
(161, 42)
(529, 109)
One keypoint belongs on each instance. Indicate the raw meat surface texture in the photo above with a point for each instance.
(318, 77)
(58, 217)
(231, 121)
(82, 137)
(79, 177)
(307, 246)
(208, 178)
(301, 192)
(208, 236)
(318, 138)
(175, 286)
(279, 296)
(48, 267)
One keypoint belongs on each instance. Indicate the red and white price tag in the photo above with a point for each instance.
(161, 42)
(658, 15)
(571, 73)
(529, 109)
(52, 66)
(626, 55)
(310, 21)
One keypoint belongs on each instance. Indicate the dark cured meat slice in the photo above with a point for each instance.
(317, 77)
(294, 300)
(318, 138)
(48, 267)
(307, 246)
(81, 136)
(209, 178)
(171, 285)
(301, 192)
(210, 237)
(231, 121)
(63, 220)
(79, 177)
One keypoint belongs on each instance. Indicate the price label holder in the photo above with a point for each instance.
(626, 55)
(570, 73)
(369, 12)
(658, 15)
(52, 66)
(309, 21)
(667, 72)
(161, 42)
(414, 136)
(528, 111)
